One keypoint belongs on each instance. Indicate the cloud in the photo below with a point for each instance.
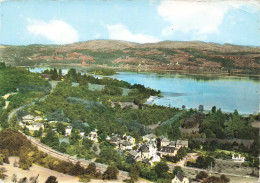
(121, 32)
(200, 17)
(57, 31)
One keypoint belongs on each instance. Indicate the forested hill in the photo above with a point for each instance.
(166, 55)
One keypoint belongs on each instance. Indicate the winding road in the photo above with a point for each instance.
(65, 157)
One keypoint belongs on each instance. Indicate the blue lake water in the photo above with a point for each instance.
(226, 93)
(177, 90)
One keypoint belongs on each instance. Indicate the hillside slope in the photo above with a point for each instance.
(166, 55)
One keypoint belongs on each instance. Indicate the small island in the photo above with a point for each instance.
(102, 72)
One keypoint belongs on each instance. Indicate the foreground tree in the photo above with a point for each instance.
(201, 175)
(135, 173)
(110, 173)
(51, 179)
(161, 169)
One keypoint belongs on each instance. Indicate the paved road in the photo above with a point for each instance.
(102, 167)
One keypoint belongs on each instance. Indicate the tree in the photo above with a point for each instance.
(213, 110)
(77, 169)
(87, 143)
(51, 179)
(75, 137)
(161, 169)
(177, 169)
(14, 178)
(2, 175)
(63, 147)
(135, 172)
(201, 108)
(51, 139)
(61, 128)
(201, 175)
(91, 169)
(110, 173)
(183, 107)
(224, 179)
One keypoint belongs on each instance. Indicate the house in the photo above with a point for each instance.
(181, 143)
(168, 151)
(46, 76)
(238, 158)
(115, 140)
(38, 119)
(68, 131)
(93, 136)
(82, 134)
(149, 137)
(129, 139)
(133, 153)
(28, 118)
(144, 151)
(125, 104)
(172, 144)
(180, 178)
(125, 145)
(165, 142)
(35, 126)
(153, 154)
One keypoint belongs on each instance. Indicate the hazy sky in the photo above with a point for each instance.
(142, 21)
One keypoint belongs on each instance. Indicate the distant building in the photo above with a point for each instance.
(93, 136)
(238, 158)
(168, 151)
(28, 118)
(149, 137)
(125, 145)
(165, 142)
(46, 76)
(82, 134)
(180, 178)
(35, 126)
(129, 139)
(182, 143)
(144, 151)
(38, 119)
(68, 131)
(125, 104)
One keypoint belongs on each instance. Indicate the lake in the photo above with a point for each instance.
(227, 93)
(178, 89)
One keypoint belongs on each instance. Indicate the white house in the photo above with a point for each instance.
(165, 142)
(93, 136)
(28, 118)
(129, 139)
(35, 126)
(180, 178)
(82, 134)
(68, 131)
(238, 158)
(125, 145)
(38, 119)
(149, 137)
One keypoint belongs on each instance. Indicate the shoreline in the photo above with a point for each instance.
(157, 71)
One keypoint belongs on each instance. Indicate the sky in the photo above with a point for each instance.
(141, 21)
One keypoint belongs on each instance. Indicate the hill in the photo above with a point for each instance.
(162, 56)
